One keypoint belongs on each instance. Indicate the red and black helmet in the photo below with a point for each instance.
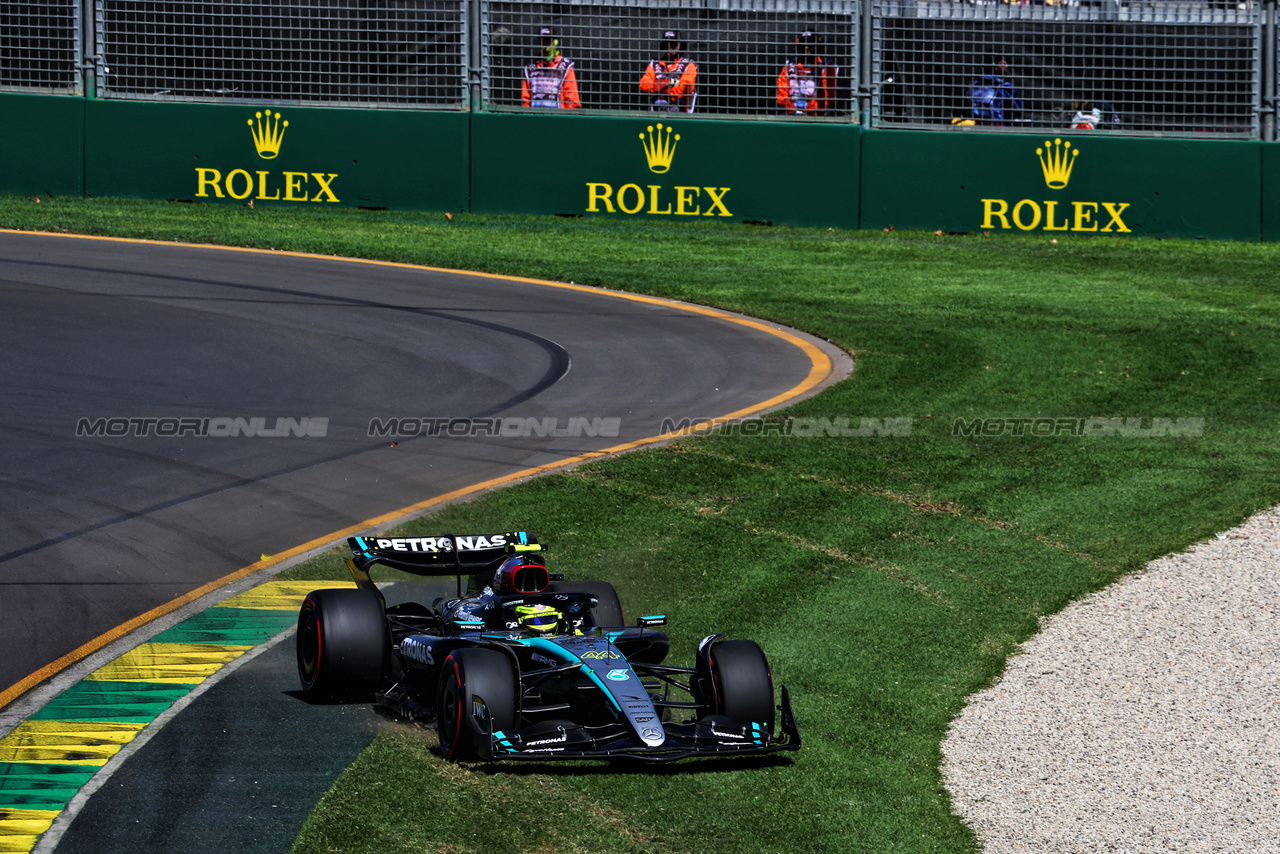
(521, 573)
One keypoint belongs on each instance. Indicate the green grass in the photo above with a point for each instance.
(888, 577)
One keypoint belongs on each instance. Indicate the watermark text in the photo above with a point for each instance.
(839, 427)
(510, 427)
(1092, 428)
(219, 427)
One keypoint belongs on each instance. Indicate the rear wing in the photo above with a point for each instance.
(444, 555)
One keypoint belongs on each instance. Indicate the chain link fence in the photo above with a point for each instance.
(737, 49)
(1171, 67)
(1156, 67)
(399, 53)
(40, 47)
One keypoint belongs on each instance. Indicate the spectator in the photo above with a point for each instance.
(993, 99)
(549, 81)
(1095, 115)
(1087, 117)
(672, 81)
(807, 84)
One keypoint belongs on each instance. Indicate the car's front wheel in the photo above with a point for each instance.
(741, 683)
(477, 698)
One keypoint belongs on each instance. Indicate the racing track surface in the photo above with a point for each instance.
(97, 530)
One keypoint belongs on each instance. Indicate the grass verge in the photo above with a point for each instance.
(888, 577)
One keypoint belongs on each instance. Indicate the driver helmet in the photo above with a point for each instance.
(540, 619)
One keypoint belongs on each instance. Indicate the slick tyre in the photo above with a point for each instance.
(608, 612)
(477, 698)
(343, 644)
(742, 684)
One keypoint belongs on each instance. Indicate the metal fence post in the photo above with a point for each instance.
(866, 18)
(475, 57)
(88, 46)
(1267, 107)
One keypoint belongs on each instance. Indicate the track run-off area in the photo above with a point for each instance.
(185, 421)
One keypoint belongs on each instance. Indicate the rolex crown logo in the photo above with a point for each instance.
(1056, 162)
(659, 147)
(267, 134)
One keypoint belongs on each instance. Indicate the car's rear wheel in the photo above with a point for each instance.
(477, 698)
(608, 612)
(742, 684)
(342, 644)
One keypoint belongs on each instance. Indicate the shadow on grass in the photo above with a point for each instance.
(630, 765)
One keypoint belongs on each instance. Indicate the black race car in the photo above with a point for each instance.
(528, 665)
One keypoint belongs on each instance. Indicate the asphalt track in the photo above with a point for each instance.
(102, 532)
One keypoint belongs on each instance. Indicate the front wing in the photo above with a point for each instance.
(719, 737)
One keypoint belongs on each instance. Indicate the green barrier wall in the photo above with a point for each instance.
(674, 167)
(666, 167)
(42, 145)
(1271, 192)
(1069, 184)
(277, 155)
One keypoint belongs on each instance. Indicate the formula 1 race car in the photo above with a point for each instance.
(528, 665)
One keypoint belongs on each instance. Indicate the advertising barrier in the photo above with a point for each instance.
(42, 145)
(1073, 183)
(277, 155)
(1270, 190)
(667, 166)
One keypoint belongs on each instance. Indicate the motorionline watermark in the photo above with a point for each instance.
(507, 427)
(515, 427)
(217, 427)
(1094, 428)
(843, 427)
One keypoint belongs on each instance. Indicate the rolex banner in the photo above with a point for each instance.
(291, 156)
(666, 166)
(1064, 182)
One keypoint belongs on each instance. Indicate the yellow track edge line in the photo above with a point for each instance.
(821, 367)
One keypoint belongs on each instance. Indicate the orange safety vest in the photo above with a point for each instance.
(550, 84)
(675, 84)
(806, 89)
